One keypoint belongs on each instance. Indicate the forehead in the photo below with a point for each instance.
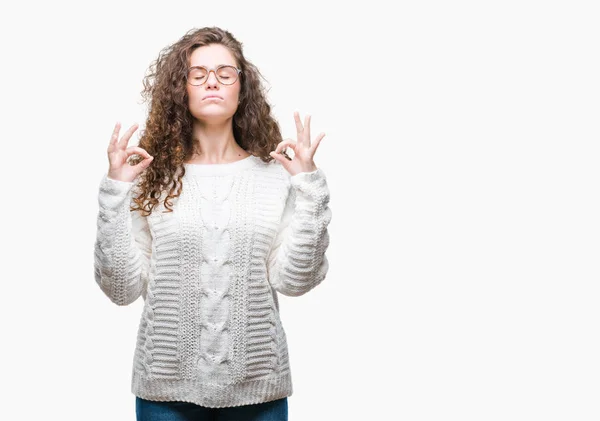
(212, 55)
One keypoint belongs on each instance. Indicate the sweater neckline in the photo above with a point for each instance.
(221, 169)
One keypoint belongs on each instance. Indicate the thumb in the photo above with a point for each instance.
(144, 164)
(281, 159)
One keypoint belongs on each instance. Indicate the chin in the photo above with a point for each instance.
(216, 117)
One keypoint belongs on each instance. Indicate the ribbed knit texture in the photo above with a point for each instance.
(209, 274)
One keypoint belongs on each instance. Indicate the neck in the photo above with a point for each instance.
(215, 143)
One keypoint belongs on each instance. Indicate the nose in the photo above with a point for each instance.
(212, 81)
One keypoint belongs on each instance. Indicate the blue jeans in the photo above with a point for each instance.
(184, 411)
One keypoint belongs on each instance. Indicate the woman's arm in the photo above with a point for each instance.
(123, 244)
(297, 261)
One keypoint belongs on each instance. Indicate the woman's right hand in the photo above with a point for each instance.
(118, 153)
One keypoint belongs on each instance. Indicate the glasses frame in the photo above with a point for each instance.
(214, 70)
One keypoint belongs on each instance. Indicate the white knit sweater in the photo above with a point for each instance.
(210, 331)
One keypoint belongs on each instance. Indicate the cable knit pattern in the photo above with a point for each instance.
(209, 274)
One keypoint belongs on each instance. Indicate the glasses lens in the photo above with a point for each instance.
(227, 75)
(197, 76)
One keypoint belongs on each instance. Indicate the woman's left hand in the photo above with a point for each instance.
(304, 151)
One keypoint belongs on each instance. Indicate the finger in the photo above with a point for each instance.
(316, 143)
(299, 127)
(133, 150)
(284, 144)
(115, 134)
(127, 136)
(306, 132)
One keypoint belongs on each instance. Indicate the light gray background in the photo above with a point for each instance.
(461, 151)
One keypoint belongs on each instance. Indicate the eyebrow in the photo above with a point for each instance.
(222, 64)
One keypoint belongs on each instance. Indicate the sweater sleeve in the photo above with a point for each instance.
(297, 261)
(123, 244)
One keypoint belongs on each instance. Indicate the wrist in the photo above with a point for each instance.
(117, 177)
(308, 169)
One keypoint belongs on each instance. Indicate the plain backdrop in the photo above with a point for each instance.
(461, 152)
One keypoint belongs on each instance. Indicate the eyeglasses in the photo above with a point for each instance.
(226, 74)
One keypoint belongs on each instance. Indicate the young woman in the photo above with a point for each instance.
(208, 219)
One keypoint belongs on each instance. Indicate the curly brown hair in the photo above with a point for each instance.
(168, 134)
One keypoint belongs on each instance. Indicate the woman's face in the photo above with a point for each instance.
(213, 102)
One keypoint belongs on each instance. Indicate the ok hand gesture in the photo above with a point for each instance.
(304, 151)
(118, 152)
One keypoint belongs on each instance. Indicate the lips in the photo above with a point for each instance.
(211, 96)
